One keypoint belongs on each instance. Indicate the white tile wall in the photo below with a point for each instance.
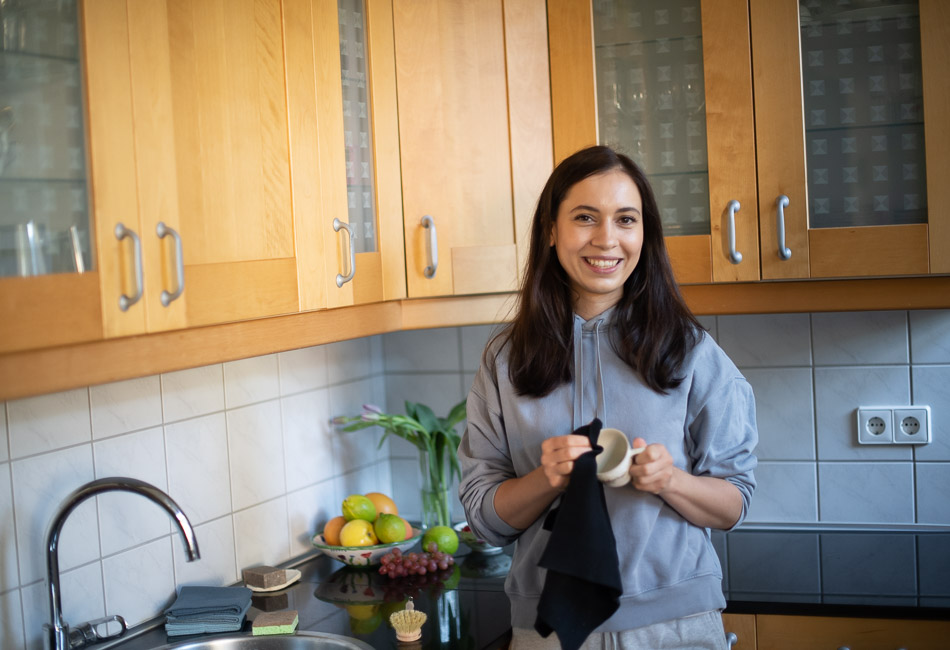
(247, 451)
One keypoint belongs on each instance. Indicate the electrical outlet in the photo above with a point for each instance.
(912, 425)
(875, 425)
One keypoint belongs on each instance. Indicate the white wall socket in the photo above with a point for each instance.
(894, 425)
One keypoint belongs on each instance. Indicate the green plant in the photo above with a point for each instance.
(434, 437)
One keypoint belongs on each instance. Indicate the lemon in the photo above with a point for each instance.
(358, 532)
(357, 506)
(383, 503)
(444, 537)
(390, 528)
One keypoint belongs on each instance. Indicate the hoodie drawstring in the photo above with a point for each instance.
(601, 411)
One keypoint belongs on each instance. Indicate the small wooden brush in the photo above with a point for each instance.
(408, 622)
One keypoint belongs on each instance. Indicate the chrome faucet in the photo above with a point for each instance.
(57, 634)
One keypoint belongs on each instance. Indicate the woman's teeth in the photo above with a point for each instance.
(602, 264)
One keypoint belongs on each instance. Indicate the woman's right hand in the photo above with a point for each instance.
(558, 455)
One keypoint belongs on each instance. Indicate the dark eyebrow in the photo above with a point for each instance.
(589, 208)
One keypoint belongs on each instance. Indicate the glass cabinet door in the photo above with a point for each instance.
(44, 208)
(650, 101)
(843, 167)
(357, 126)
(672, 89)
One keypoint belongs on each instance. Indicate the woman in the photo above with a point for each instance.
(602, 331)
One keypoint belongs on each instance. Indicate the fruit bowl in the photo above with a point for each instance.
(474, 542)
(364, 555)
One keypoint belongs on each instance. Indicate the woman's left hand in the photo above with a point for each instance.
(652, 469)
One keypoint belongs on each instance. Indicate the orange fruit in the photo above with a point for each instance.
(389, 528)
(358, 532)
(446, 539)
(408, 528)
(383, 503)
(331, 532)
(357, 506)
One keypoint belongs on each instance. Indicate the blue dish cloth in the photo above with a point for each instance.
(200, 610)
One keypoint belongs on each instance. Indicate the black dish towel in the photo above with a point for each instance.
(582, 587)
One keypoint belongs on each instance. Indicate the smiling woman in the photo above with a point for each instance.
(598, 235)
(603, 337)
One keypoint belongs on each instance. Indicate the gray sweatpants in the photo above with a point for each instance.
(699, 632)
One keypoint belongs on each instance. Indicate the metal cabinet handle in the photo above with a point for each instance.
(164, 231)
(732, 207)
(343, 279)
(731, 639)
(432, 247)
(780, 204)
(121, 232)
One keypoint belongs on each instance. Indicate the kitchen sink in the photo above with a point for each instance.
(296, 641)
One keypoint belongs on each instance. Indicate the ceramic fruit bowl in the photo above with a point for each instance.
(474, 542)
(364, 555)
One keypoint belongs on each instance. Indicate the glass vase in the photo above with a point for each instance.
(434, 479)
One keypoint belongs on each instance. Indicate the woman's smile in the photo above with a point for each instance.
(598, 235)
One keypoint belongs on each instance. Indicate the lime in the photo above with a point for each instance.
(444, 537)
(390, 528)
(358, 532)
(358, 506)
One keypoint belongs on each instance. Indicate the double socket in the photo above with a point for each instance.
(893, 425)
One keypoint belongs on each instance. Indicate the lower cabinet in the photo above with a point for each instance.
(781, 632)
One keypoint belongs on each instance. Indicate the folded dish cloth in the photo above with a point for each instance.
(199, 610)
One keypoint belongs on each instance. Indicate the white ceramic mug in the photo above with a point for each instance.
(613, 463)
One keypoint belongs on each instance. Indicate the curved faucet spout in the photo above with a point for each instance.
(57, 636)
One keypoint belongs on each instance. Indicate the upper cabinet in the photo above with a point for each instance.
(475, 139)
(344, 144)
(783, 139)
(854, 165)
(178, 163)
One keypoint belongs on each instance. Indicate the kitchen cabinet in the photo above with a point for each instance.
(673, 86)
(224, 169)
(345, 150)
(743, 627)
(475, 139)
(781, 632)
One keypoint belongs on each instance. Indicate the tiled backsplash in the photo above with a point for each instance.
(246, 450)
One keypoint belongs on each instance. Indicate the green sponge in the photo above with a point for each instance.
(275, 623)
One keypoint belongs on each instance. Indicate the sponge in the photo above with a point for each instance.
(264, 577)
(275, 623)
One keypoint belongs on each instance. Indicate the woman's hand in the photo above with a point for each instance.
(557, 458)
(651, 469)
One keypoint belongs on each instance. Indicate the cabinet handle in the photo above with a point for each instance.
(734, 256)
(343, 279)
(121, 232)
(164, 231)
(780, 204)
(432, 247)
(731, 639)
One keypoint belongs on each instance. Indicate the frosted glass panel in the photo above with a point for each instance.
(864, 130)
(651, 101)
(358, 135)
(44, 211)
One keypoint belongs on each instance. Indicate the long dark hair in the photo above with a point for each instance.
(654, 327)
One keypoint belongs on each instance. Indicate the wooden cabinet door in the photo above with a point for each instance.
(743, 627)
(643, 66)
(345, 150)
(458, 134)
(846, 89)
(774, 632)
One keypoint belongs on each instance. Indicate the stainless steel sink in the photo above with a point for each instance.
(296, 641)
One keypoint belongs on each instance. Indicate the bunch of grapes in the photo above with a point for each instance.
(396, 565)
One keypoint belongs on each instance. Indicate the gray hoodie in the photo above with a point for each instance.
(668, 566)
